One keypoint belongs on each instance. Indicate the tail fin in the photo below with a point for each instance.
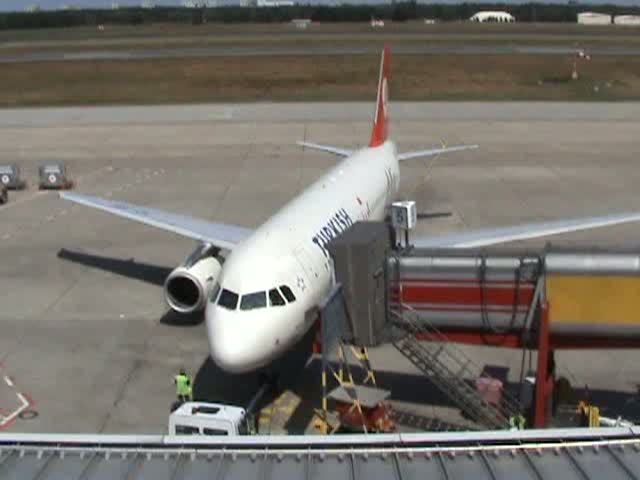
(381, 119)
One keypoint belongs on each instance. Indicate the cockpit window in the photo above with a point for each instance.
(228, 299)
(275, 299)
(288, 294)
(253, 300)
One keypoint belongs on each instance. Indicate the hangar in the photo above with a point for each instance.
(594, 18)
(492, 16)
(631, 20)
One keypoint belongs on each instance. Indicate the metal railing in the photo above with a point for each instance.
(451, 371)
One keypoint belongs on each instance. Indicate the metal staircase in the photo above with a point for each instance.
(449, 369)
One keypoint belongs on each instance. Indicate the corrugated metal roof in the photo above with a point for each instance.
(581, 453)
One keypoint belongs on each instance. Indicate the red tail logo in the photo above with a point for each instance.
(381, 119)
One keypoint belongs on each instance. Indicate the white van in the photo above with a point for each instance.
(198, 418)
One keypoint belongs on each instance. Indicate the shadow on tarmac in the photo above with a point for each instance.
(212, 384)
(144, 272)
(424, 423)
(175, 319)
(300, 374)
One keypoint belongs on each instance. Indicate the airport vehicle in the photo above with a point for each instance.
(4, 194)
(201, 418)
(198, 418)
(372, 414)
(265, 296)
(54, 176)
(10, 177)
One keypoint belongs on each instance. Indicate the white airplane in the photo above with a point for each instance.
(260, 288)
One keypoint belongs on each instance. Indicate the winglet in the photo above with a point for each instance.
(381, 119)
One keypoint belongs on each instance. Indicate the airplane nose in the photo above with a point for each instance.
(234, 346)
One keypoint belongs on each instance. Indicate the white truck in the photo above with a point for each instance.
(199, 418)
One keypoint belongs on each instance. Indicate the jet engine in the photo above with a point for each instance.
(188, 287)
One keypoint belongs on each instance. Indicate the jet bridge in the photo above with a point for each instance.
(424, 301)
(498, 295)
(492, 295)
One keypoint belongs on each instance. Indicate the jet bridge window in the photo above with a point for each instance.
(288, 294)
(275, 299)
(253, 300)
(228, 299)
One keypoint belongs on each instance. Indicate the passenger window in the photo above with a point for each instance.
(288, 294)
(214, 292)
(214, 431)
(187, 430)
(228, 299)
(275, 299)
(253, 300)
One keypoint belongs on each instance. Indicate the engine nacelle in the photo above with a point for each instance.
(188, 287)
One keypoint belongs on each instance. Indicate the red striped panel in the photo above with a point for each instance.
(522, 309)
(464, 281)
(462, 295)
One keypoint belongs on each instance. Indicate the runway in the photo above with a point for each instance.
(339, 50)
(83, 327)
(222, 114)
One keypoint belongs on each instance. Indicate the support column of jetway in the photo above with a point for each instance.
(545, 300)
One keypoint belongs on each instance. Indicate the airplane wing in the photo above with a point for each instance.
(340, 152)
(434, 151)
(343, 152)
(219, 234)
(492, 236)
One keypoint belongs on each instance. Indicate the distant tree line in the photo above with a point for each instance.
(402, 11)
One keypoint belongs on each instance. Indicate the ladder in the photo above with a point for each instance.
(449, 369)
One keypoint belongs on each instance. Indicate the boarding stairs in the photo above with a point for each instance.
(450, 370)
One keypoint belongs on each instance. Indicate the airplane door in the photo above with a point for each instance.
(307, 262)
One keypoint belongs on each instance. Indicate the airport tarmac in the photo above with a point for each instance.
(85, 337)
(260, 51)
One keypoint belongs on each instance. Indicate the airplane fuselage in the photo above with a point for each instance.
(290, 251)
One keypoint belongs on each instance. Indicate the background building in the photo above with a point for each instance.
(594, 18)
(626, 20)
(489, 16)
(267, 3)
